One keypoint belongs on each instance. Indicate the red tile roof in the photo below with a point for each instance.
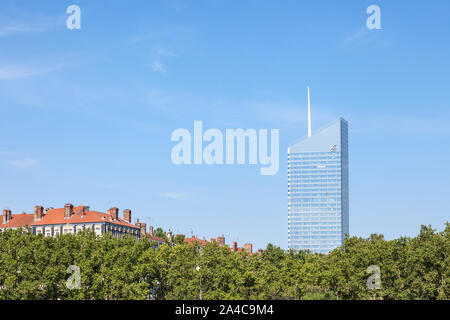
(18, 220)
(154, 238)
(56, 216)
(195, 239)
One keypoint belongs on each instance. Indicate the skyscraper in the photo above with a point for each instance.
(318, 204)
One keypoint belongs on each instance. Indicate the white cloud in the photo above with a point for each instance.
(25, 163)
(17, 23)
(360, 34)
(173, 195)
(166, 53)
(156, 56)
(12, 72)
(272, 112)
(11, 30)
(157, 66)
(364, 36)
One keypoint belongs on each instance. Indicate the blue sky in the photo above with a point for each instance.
(86, 115)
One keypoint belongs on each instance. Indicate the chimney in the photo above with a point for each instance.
(38, 213)
(248, 247)
(7, 216)
(213, 240)
(68, 210)
(221, 240)
(143, 228)
(83, 210)
(150, 230)
(127, 215)
(114, 213)
(235, 246)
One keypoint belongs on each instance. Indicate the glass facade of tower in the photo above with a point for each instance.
(318, 201)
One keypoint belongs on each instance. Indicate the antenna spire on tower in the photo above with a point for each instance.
(309, 115)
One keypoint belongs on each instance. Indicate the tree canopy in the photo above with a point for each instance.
(36, 267)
